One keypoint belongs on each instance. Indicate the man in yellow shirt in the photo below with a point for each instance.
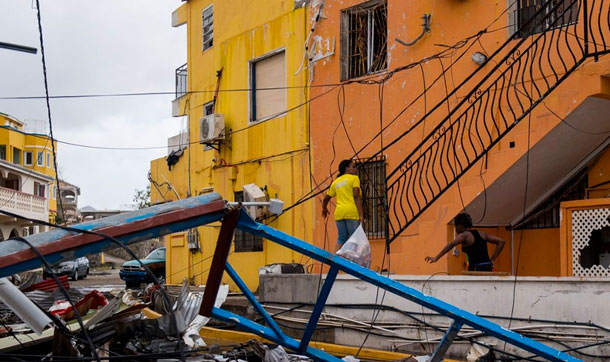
(348, 212)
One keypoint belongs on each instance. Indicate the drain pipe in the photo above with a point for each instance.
(512, 250)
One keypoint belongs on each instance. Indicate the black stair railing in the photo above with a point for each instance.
(542, 53)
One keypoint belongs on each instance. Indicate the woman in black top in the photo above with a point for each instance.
(474, 244)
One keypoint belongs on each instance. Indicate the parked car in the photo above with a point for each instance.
(75, 269)
(134, 274)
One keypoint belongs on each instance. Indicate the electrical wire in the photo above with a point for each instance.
(412, 315)
(527, 160)
(139, 94)
(46, 89)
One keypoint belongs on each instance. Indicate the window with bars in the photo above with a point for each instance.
(372, 185)
(207, 31)
(561, 14)
(364, 36)
(246, 242)
(547, 215)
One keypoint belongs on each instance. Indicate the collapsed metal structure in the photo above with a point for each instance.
(57, 245)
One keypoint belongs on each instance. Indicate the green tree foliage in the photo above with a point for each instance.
(142, 197)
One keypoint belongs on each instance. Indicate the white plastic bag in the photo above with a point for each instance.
(277, 354)
(357, 248)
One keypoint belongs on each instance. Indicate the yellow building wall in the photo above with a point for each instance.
(13, 137)
(272, 154)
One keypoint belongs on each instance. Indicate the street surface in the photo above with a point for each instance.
(105, 278)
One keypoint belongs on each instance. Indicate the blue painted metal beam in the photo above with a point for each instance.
(59, 245)
(279, 335)
(248, 225)
(446, 341)
(318, 308)
(267, 333)
(164, 219)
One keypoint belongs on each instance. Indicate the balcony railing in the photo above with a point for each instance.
(181, 78)
(24, 204)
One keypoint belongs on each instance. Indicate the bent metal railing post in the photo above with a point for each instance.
(526, 70)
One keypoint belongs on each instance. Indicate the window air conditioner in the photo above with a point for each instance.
(212, 128)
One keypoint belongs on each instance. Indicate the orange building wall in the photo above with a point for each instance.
(451, 22)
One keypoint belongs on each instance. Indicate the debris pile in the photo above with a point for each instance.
(149, 324)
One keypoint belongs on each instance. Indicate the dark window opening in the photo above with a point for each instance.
(246, 242)
(597, 252)
(39, 189)
(372, 184)
(364, 39)
(3, 152)
(208, 108)
(556, 13)
(546, 215)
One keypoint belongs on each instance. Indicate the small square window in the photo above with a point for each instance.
(364, 39)
(28, 158)
(208, 108)
(246, 242)
(207, 30)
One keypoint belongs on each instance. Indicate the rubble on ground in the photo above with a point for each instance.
(150, 323)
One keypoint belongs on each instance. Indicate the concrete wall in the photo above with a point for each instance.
(542, 298)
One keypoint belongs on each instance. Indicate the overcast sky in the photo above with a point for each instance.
(92, 47)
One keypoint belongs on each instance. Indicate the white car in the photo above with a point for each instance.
(76, 269)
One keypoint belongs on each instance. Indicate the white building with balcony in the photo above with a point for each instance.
(26, 193)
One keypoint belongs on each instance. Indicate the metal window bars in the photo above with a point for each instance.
(372, 183)
(366, 37)
(181, 80)
(525, 71)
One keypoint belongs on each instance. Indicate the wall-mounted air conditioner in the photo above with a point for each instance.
(253, 193)
(212, 128)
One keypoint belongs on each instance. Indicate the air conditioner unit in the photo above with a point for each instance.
(212, 128)
(253, 193)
